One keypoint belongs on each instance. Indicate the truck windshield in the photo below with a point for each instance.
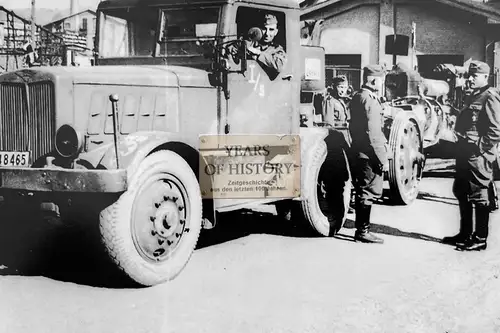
(183, 29)
(132, 32)
(127, 32)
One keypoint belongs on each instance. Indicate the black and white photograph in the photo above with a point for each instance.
(249, 166)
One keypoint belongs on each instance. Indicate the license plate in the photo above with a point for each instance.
(14, 158)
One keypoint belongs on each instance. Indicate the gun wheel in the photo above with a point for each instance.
(152, 230)
(406, 162)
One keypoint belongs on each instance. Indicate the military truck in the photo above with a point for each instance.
(123, 137)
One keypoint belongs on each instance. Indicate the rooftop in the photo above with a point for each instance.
(490, 9)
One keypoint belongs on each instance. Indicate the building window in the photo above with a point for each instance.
(67, 26)
(343, 64)
(84, 24)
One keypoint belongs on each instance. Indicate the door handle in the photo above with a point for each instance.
(287, 77)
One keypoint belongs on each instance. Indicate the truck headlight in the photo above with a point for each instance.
(68, 141)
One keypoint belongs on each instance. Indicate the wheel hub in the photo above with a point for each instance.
(160, 219)
(166, 219)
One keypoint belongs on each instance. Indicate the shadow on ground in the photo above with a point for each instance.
(30, 246)
(386, 230)
(73, 254)
(234, 225)
(436, 198)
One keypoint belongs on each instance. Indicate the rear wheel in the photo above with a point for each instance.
(152, 230)
(406, 161)
(326, 192)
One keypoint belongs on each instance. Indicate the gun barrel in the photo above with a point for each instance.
(435, 88)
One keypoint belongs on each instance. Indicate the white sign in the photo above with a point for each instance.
(312, 69)
(249, 166)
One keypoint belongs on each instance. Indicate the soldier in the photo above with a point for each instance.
(368, 153)
(336, 113)
(266, 52)
(335, 110)
(478, 131)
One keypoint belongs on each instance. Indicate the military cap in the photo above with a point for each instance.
(374, 70)
(270, 19)
(339, 79)
(479, 67)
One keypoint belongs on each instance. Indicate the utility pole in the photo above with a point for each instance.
(33, 25)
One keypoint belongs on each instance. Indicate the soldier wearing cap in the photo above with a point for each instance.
(368, 153)
(335, 109)
(478, 132)
(266, 52)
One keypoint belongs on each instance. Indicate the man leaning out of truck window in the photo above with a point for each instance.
(270, 55)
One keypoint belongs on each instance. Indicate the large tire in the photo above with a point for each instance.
(152, 230)
(326, 191)
(406, 161)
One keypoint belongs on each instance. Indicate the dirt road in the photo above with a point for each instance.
(254, 274)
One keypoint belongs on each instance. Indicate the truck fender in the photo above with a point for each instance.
(311, 139)
(133, 148)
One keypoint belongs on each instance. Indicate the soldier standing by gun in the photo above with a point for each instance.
(478, 131)
(335, 110)
(368, 155)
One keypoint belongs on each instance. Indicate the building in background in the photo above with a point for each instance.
(78, 31)
(354, 33)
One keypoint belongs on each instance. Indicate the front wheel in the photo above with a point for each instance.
(152, 230)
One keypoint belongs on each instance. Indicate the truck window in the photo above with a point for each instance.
(184, 28)
(127, 32)
(248, 17)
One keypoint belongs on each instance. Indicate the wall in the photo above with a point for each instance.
(353, 32)
(441, 30)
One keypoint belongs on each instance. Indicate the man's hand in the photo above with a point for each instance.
(252, 49)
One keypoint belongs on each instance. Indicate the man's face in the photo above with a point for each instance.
(477, 81)
(342, 89)
(269, 32)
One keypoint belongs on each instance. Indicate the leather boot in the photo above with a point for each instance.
(465, 232)
(478, 241)
(362, 222)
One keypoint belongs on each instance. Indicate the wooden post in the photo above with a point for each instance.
(394, 28)
(414, 61)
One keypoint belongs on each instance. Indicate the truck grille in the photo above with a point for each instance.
(27, 121)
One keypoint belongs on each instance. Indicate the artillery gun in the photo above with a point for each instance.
(418, 113)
